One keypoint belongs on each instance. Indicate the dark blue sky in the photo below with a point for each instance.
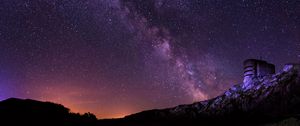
(117, 57)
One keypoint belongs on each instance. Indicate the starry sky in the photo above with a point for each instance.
(118, 57)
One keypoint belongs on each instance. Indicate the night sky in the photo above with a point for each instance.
(118, 57)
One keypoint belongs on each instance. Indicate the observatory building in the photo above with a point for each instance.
(257, 68)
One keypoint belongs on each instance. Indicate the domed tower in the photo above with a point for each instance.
(257, 68)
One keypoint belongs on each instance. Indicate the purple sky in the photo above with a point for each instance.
(118, 57)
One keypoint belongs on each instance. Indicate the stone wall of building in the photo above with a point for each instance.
(254, 68)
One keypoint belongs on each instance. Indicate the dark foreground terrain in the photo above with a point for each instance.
(266, 101)
(18, 112)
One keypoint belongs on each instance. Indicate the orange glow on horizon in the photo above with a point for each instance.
(80, 99)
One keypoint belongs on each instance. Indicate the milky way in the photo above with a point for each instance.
(118, 57)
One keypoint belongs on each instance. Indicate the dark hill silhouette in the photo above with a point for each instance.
(15, 111)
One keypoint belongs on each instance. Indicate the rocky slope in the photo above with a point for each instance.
(262, 100)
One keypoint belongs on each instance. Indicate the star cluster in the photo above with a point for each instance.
(118, 57)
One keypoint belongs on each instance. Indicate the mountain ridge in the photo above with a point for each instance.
(267, 98)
